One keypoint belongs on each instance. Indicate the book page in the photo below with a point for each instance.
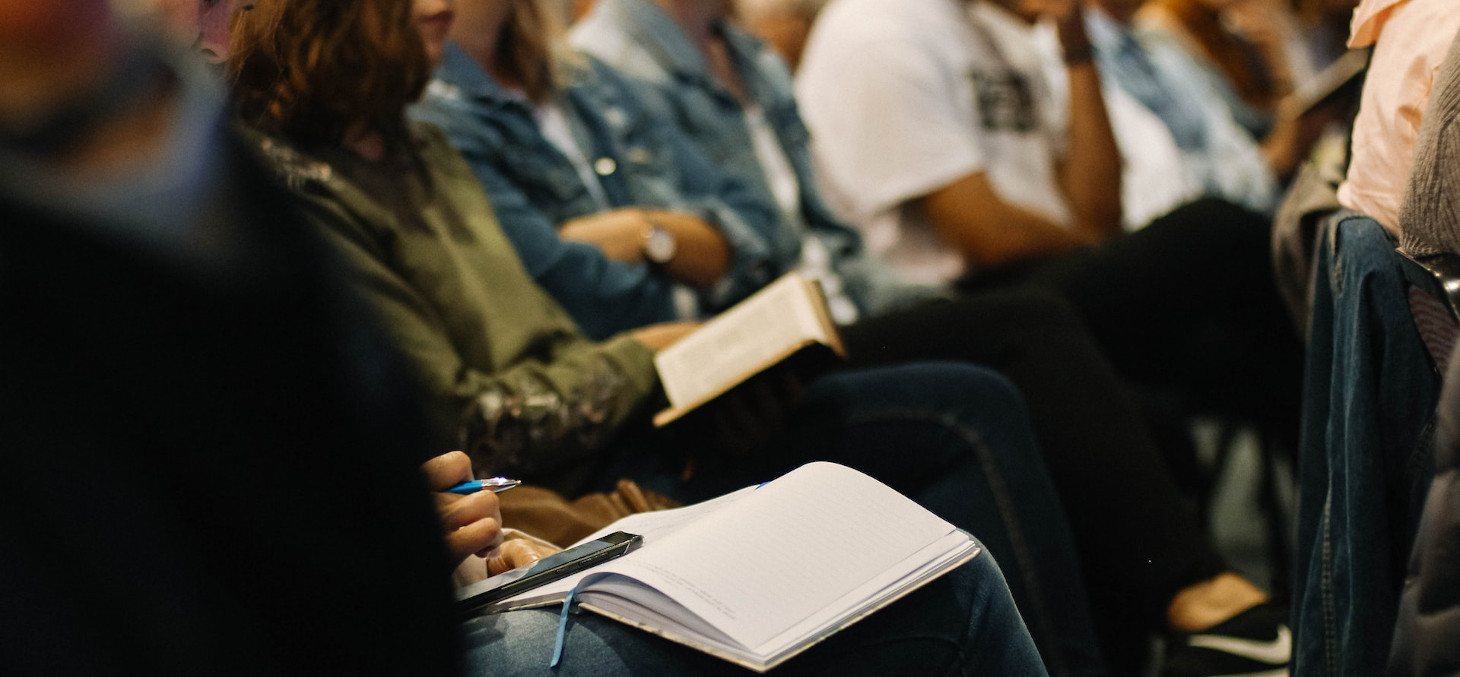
(760, 566)
(741, 341)
(918, 569)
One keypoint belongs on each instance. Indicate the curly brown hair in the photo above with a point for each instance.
(316, 71)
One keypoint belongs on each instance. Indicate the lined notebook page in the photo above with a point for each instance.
(738, 567)
(652, 526)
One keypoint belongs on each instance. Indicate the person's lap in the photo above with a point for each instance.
(961, 623)
(953, 437)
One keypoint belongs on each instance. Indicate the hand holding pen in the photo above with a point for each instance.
(470, 517)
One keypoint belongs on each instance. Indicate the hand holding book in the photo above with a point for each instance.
(787, 318)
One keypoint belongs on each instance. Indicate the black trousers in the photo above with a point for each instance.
(1185, 309)
(1136, 535)
(1188, 306)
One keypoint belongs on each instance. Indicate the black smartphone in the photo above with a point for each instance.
(545, 570)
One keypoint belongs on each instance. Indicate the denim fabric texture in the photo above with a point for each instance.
(641, 161)
(953, 437)
(1366, 460)
(963, 623)
(1223, 157)
(641, 40)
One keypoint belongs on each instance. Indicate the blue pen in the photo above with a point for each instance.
(496, 484)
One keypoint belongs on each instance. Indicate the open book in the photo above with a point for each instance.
(759, 575)
(773, 324)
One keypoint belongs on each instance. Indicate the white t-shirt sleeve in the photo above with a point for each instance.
(885, 121)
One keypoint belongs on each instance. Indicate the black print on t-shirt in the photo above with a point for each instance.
(1005, 101)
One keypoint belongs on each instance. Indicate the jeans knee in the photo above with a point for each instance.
(956, 388)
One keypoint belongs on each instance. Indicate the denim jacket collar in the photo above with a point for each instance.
(666, 40)
(507, 125)
(460, 73)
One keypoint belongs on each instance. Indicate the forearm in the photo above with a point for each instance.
(1283, 146)
(539, 414)
(543, 419)
(605, 296)
(703, 255)
(987, 231)
(1089, 176)
(1027, 237)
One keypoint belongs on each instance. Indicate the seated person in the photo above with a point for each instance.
(210, 461)
(197, 519)
(1249, 46)
(964, 620)
(1215, 155)
(984, 182)
(1396, 94)
(410, 221)
(1378, 347)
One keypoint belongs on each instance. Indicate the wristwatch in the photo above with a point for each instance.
(660, 245)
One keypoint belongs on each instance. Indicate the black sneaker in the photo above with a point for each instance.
(1254, 643)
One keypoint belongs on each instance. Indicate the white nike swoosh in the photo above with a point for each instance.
(1275, 652)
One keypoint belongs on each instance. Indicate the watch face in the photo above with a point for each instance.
(659, 246)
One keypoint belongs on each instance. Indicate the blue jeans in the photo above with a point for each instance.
(963, 623)
(956, 439)
(1364, 466)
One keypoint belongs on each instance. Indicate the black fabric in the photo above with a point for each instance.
(1137, 537)
(1427, 633)
(209, 465)
(1187, 305)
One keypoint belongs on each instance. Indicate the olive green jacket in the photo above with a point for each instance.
(462, 308)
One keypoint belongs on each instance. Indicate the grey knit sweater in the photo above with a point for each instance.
(1429, 219)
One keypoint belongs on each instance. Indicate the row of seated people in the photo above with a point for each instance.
(245, 499)
(440, 294)
(580, 164)
(1065, 372)
(1378, 324)
(408, 217)
(998, 486)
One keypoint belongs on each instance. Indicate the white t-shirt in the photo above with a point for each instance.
(815, 261)
(904, 97)
(555, 128)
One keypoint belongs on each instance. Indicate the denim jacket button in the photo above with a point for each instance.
(605, 166)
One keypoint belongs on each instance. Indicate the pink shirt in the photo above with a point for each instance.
(1396, 93)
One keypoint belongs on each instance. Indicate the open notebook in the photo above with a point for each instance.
(759, 575)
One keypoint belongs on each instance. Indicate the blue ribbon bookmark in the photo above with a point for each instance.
(563, 628)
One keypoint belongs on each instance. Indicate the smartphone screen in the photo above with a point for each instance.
(545, 570)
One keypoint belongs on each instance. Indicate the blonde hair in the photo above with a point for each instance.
(533, 47)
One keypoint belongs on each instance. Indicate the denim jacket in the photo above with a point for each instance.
(640, 39)
(641, 161)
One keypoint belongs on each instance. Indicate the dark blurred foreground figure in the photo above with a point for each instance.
(206, 468)
(1429, 611)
